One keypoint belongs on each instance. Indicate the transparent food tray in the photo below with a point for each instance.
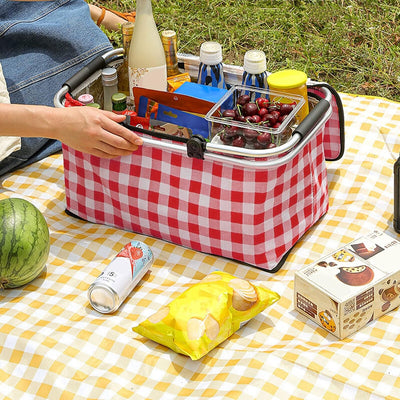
(219, 125)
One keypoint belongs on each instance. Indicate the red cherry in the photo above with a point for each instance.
(286, 109)
(262, 111)
(239, 142)
(250, 134)
(224, 139)
(262, 102)
(270, 118)
(250, 108)
(231, 131)
(243, 99)
(272, 107)
(276, 114)
(264, 138)
(229, 114)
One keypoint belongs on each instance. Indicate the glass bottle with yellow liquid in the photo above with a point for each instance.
(123, 73)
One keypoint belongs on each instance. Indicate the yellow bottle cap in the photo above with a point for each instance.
(287, 79)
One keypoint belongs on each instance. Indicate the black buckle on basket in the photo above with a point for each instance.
(196, 146)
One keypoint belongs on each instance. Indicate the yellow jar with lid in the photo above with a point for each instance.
(293, 82)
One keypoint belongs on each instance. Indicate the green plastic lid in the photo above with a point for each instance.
(287, 79)
(95, 105)
(118, 98)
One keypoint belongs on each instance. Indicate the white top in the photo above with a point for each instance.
(8, 144)
(255, 62)
(211, 53)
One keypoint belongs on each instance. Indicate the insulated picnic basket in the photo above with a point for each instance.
(249, 207)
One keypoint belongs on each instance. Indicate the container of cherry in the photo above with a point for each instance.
(254, 118)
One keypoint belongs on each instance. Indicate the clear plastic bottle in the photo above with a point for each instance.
(211, 71)
(110, 86)
(147, 64)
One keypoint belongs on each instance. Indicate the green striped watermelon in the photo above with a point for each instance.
(24, 242)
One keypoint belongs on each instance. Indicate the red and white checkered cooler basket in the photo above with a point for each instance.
(249, 210)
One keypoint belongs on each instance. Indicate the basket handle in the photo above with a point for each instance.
(314, 116)
(86, 72)
(96, 64)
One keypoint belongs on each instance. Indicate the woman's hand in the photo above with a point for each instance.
(84, 128)
(96, 132)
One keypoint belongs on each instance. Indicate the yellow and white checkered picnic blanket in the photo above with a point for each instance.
(53, 345)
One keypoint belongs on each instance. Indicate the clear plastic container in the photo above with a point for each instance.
(225, 129)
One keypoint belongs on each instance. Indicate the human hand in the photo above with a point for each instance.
(96, 132)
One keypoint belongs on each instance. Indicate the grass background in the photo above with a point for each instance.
(353, 45)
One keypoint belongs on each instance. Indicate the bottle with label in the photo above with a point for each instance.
(118, 103)
(255, 66)
(110, 86)
(169, 42)
(147, 64)
(211, 71)
(123, 75)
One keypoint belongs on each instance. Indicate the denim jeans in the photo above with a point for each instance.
(42, 44)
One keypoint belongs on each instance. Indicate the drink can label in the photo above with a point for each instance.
(119, 278)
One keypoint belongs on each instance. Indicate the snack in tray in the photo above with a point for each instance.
(206, 314)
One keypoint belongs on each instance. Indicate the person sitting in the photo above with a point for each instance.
(42, 44)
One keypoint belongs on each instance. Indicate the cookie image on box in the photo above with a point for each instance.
(355, 276)
(343, 256)
(327, 320)
(366, 251)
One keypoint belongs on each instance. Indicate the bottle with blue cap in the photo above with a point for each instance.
(210, 69)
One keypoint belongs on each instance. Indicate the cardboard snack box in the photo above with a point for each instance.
(352, 286)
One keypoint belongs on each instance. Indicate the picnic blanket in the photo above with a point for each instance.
(53, 345)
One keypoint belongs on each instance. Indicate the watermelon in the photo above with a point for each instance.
(24, 242)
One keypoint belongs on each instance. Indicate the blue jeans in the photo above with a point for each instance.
(42, 44)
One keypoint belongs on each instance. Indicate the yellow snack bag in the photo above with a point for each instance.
(206, 314)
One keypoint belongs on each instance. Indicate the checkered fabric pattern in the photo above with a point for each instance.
(333, 143)
(53, 345)
(250, 215)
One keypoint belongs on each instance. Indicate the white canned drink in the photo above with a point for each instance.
(119, 278)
